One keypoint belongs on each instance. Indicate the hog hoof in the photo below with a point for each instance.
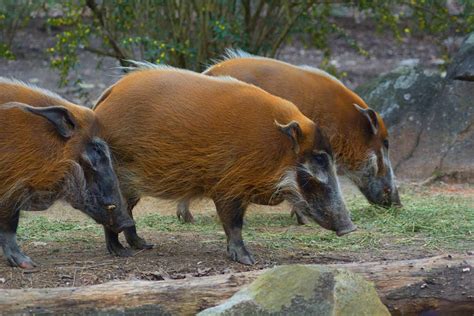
(184, 215)
(300, 218)
(21, 261)
(241, 255)
(186, 218)
(119, 251)
(140, 243)
(136, 241)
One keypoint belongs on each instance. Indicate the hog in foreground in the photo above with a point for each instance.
(176, 135)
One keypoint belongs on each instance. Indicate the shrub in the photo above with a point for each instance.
(14, 14)
(189, 34)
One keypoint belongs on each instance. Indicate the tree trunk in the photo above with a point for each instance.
(441, 283)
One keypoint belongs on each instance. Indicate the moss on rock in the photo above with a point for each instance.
(304, 289)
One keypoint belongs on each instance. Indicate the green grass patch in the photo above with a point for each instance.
(43, 228)
(428, 221)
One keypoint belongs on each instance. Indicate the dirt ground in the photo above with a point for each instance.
(186, 253)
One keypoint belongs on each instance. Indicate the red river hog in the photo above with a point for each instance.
(176, 134)
(357, 133)
(50, 150)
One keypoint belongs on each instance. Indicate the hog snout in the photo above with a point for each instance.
(346, 230)
(122, 226)
(390, 197)
(118, 221)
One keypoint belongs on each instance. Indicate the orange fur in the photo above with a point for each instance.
(177, 134)
(34, 157)
(320, 97)
(16, 91)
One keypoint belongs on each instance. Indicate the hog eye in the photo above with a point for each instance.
(385, 143)
(321, 159)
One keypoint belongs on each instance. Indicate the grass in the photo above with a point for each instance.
(432, 222)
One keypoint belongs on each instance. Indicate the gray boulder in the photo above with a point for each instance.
(430, 120)
(304, 290)
(462, 67)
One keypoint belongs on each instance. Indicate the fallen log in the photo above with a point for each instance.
(442, 283)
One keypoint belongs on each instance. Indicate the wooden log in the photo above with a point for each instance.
(441, 283)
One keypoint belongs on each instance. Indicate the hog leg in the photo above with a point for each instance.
(231, 214)
(300, 217)
(183, 211)
(114, 246)
(130, 233)
(15, 257)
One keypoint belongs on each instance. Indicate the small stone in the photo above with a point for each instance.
(87, 86)
(2, 280)
(409, 62)
(437, 62)
(39, 243)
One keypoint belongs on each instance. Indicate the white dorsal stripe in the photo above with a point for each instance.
(237, 53)
(46, 92)
(145, 65)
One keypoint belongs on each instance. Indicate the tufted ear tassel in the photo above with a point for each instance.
(371, 117)
(293, 131)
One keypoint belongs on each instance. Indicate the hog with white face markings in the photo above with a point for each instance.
(51, 150)
(357, 133)
(177, 135)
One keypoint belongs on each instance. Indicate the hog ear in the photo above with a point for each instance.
(59, 116)
(371, 117)
(293, 131)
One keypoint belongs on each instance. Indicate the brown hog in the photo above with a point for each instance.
(50, 152)
(357, 133)
(176, 134)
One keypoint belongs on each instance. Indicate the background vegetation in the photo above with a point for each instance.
(189, 33)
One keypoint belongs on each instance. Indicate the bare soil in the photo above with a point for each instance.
(184, 254)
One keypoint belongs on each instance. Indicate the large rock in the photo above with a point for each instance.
(462, 67)
(430, 120)
(304, 290)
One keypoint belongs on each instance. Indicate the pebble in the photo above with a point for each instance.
(87, 86)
